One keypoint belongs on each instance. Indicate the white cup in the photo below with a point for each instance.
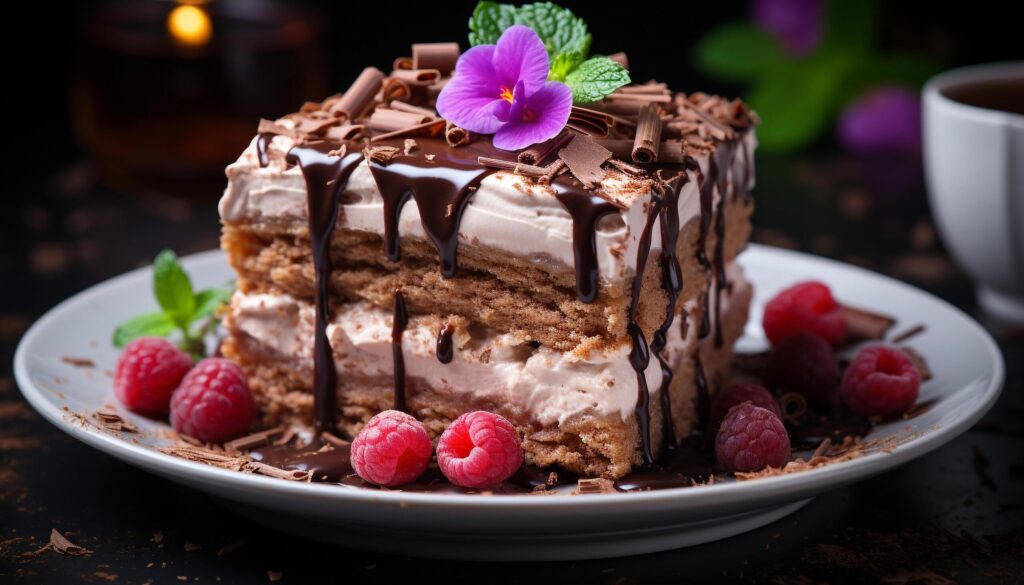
(974, 164)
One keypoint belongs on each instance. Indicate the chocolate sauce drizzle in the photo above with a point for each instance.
(262, 143)
(445, 349)
(639, 355)
(586, 209)
(399, 322)
(726, 183)
(442, 186)
(326, 177)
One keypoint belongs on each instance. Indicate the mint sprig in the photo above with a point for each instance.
(566, 39)
(193, 314)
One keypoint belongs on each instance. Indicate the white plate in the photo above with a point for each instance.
(968, 377)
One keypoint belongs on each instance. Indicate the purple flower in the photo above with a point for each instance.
(796, 24)
(885, 120)
(504, 90)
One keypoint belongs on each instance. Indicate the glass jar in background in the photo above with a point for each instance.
(165, 94)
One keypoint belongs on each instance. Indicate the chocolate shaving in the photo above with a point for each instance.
(271, 471)
(456, 136)
(203, 455)
(909, 333)
(625, 167)
(405, 107)
(509, 165)
(359, 96)
(109, 419)
(409, 146)
(271, 127)
(721, 130)
(390, 120)
(417, 76)
(78, 362)
(439, 56)
(597, 485)
(61, 544)
(649, 87)
(659, 98)
(254, 440)
(394, 89)
(431, 128)
(621, 59)
(538, 154)
(864, 324)
(382, 154)
(334, 439)
(919, 362)
(230, 548)
(584, 157)
(648, 135)
(345, 132)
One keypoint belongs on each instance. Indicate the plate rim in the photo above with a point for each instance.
(792, 486)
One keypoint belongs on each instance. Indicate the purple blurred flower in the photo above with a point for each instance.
(795, 23)
(504, 90)
(885, 120)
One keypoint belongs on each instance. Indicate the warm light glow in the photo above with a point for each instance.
(189, 25)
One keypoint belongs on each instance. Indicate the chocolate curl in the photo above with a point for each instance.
(590, 122)
(628, 108)
(533, 171)
(432, 128)
(439, 56)
(660, 98)
(359, 96)
(649, 87)
(863, 324)
(310, 125)
(456, 136)
(621, 59)
(402, 63)
(648, 135)
(417, 76)
(672, 151)
(540, 153)
(394, 89)
(404, 107)
(346, 132)
(391, 120)
(717, 129)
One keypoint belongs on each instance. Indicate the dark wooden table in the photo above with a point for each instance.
(954, 515)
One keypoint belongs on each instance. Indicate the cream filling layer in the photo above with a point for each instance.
(507, 212)
(552, 386)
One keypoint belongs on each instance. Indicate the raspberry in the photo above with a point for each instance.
(804, 364)
(751, 438)
(392, 449)
(213, 402)
(807, 307)
(479, 450)
(146, 374)
(738, 394)
(881, 381)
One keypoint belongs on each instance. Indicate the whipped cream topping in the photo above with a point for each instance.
(507, 212)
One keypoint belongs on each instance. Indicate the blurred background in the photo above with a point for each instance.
(122, 115)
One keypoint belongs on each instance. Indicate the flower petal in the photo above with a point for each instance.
(546, 113)
(520, 56)
(469, 99)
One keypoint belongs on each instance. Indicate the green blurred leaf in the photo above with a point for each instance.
(156, 324)
(797, 102)
(849, 26)
(737, 52)
(173, 289)
(209, 300)
(595, 78)
(563, 64)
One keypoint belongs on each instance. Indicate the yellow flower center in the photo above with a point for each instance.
(506, 94)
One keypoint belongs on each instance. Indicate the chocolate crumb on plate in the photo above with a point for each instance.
(596, 485)
(78, 362)
(109, 419)
(61, 544)
(866, 324)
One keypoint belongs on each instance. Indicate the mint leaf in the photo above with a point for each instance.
(560, 29)
(488, 21)
(562, 64)
(173, 289)
(209, 300)
(156, 324)
(737, 52)
(595, 78)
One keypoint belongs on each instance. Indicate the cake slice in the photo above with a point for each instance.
(386, 259)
